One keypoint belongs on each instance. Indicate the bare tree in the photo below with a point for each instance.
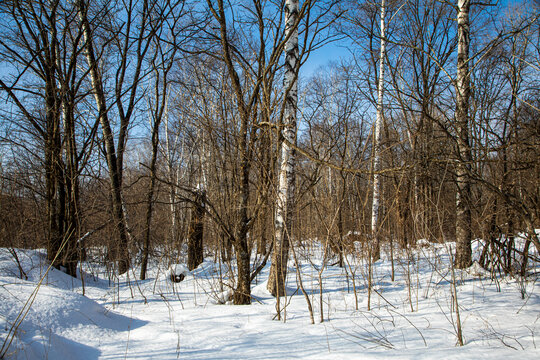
(133, 41)
(46, 45)
(165, 46)
(258, 65)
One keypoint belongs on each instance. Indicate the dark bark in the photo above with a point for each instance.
(242, 294)
(196, 230)
(150, 199)
(55, 195)
(71, 181)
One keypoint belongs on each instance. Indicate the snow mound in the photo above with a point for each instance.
(46, 321)
(261, 290)
(178, 269)
(177, 272)
(210, 269)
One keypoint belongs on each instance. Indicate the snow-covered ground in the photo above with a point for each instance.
(413, 316)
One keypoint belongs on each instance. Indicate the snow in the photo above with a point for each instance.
(177, 272)
(178, 269)
(410, 317)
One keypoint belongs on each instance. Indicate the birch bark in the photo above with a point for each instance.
(286, 186)
(377, 140)
(463, 257)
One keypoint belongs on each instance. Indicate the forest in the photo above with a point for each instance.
(271, 153)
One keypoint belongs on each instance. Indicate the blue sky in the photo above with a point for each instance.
(323, 56)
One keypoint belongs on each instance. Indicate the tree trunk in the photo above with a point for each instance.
(286, 186)
(377, 143)
(53, 183)
(196, 231)
(71, 181)
(54, 237)
(242, 294)
(150, 198)
(121, 250)
(53, 149)
(267, 180)
(463, 258)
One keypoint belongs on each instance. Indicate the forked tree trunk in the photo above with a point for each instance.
(463, 258)
(286, 186)
(377, 140)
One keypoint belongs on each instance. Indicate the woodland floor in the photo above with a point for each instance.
(413, 316)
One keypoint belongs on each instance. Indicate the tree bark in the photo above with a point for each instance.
(40, 30)
(150, 196)
(56, 199)
(463, 257)
(71, 181)
(196, 230)
(377, 143)
(286, 186)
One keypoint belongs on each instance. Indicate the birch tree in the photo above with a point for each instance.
(285, 191)
(250, 56)
(377, 140)
(463, 257)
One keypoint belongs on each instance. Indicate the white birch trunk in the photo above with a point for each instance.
(463, 217)
(286, 186)
(377, 139)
